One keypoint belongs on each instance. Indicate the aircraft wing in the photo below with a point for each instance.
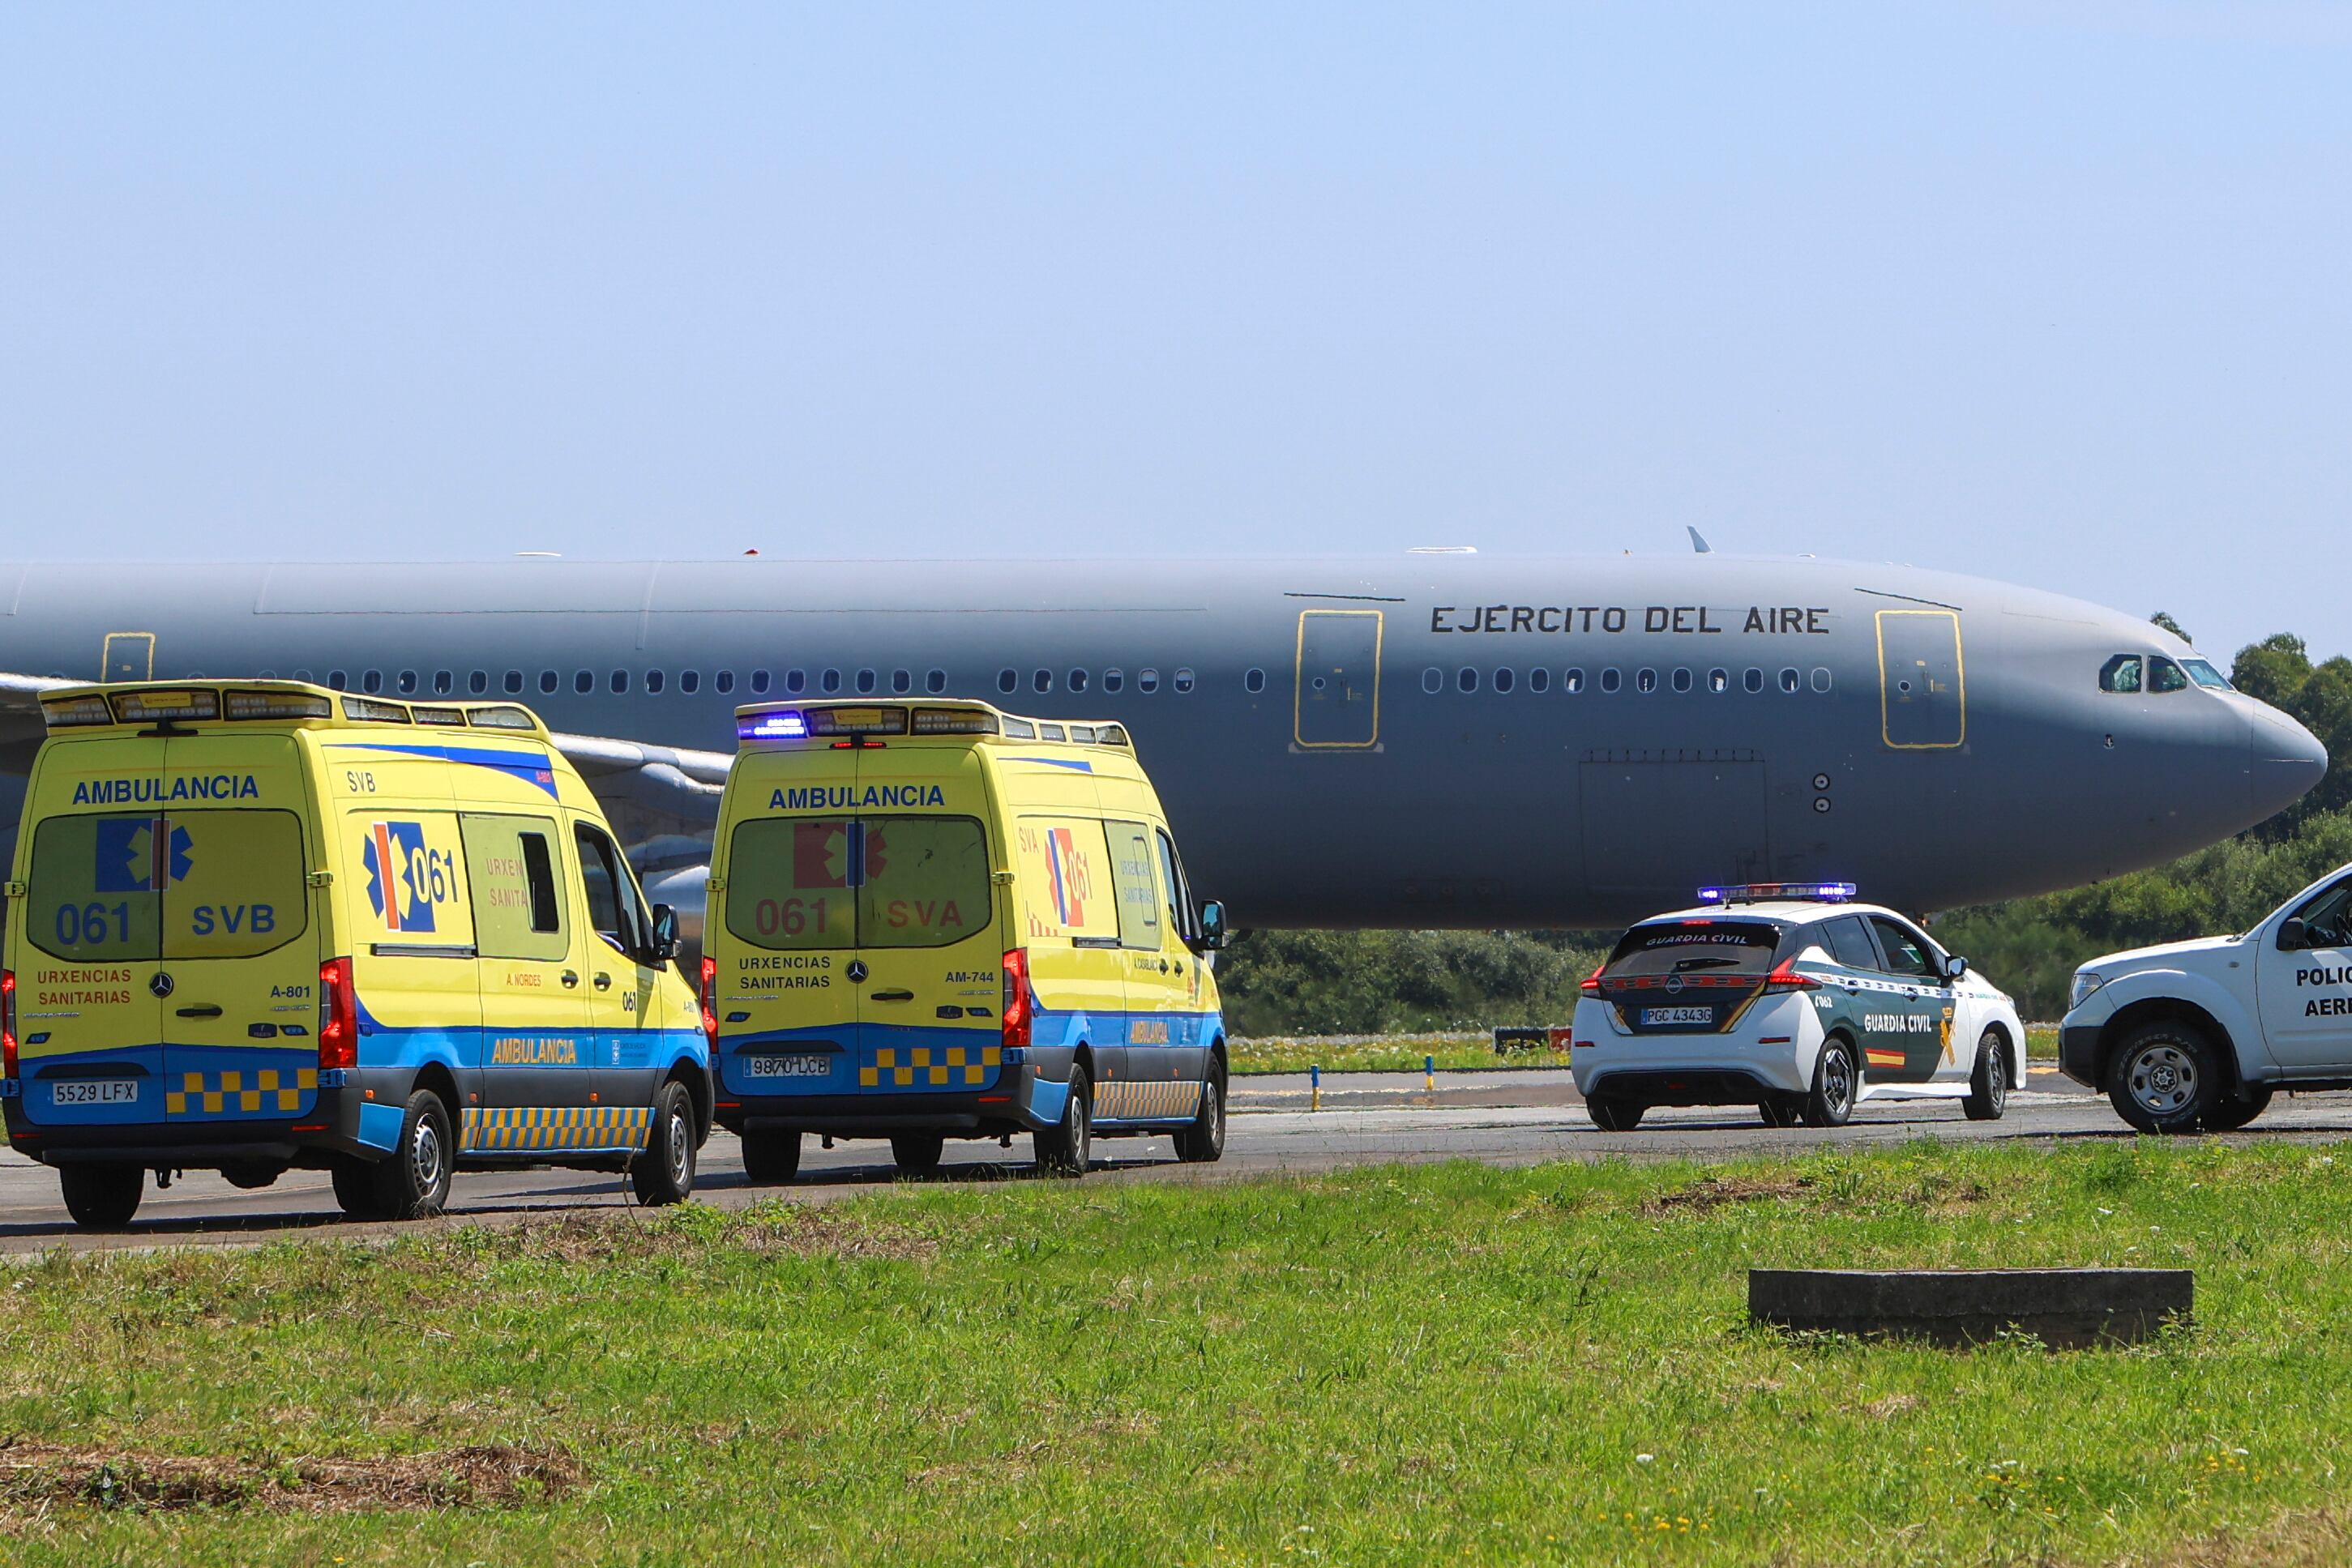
(663, 801)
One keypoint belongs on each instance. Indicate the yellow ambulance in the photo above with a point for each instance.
(258, 924)
(932, 920)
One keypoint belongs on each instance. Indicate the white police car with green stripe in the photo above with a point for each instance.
(1789, 997)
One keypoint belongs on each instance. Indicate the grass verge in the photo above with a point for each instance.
(1391, 1365)
(1455, 1052)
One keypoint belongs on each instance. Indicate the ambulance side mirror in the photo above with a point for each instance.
(1213, 926)
(665, 932)
(2293, 937)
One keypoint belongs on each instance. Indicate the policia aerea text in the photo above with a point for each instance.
(258, 924)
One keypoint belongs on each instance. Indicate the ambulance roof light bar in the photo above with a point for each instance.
(1770, 892)
(858, 721)
(265, 699)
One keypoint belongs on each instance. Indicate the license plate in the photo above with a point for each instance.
(787, 1066)
(94, 1092)
(1677, 1015)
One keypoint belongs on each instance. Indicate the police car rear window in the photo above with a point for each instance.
(128, 888)
(1681, 947)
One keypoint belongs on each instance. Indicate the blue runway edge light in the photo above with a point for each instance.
(1757, 892)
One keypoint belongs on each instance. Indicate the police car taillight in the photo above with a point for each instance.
(77, 710)
(711, 1003)
(1787, 979)
(8, 1023)
(1592, 983)
(1019, 1009)
(338, 1015)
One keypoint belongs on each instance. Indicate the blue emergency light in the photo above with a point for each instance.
(784, 724)
(1759, 892)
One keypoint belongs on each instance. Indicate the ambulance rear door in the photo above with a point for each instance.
(787, 1011)
(89, 1025)
(239, 975)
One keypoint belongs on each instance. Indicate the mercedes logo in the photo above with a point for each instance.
(857, 971)
(160, 983)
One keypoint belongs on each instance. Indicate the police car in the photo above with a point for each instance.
(1791, 998)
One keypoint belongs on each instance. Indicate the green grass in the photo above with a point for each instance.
(1453, 1052)
(1394, 1365)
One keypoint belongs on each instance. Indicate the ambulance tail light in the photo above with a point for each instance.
(8, 1023)
(1018, 1007)
(710, 1004)
(338, 1015)
(1785, 979)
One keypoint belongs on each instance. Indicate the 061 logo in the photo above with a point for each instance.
(406, 876)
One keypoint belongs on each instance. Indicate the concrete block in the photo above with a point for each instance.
(2065, 1308)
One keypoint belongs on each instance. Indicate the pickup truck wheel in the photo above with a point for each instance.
(2166, 1079)
(1989, 1082)
(2230, 1112)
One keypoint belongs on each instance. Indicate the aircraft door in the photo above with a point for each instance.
(1337, 701)
(127, 656)
(1922, 679)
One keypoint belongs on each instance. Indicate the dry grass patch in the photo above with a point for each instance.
(1709, 1193)
(37, 1478)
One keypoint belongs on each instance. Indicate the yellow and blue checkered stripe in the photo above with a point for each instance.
(269, 1089)
(1147, 1099)
(908, 1067)
(558, 1127)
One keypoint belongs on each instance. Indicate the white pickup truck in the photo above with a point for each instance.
(2196, 1036)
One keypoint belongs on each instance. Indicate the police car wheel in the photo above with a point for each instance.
(770, 1159)
(1204, 1142)
(2165, 1079)
(1987, 1094)
(2230, 1112)
(918, 1153)
(1066, 1148)
(1831, 1103)
(413, 1182)
(102, 1197)
(1614, 1115)
(663, 1172)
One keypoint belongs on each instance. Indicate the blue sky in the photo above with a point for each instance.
(2056, 293)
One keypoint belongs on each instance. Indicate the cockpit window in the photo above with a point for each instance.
(2164, 675)
(2120, 673)
(2206, 676)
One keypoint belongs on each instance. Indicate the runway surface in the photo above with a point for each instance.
(1501, 1118)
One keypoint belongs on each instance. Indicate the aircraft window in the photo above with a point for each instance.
(1645, 681)
(408, 682)
(760, 683)
(514, 683)
(1538, 679)
(1043, 680)
(1503, 679)
(1147, 681)
(1467, 680)
(724, 681)
(2206, 676)
(339, 680)
(1255, 681)
(2120, 673)
(1611, 680)
(830, 680)
(902, 680)
(1682, 680)
(868, 680)
(443, 682)
(1183, 682)
(1572, 680)
(548, 681)
(1006, 680)
(689, 681)
(935, 682)
(1113, 680)
(479, 681)
(584, 681)
(1719, 680)
(1753, 680)
(620, 682)
(1432, 679)
(1821, 678)
(372, 681)
(653, 680)
(1789, 681)
(1077, 680)
(2164, 675)
(796, 681)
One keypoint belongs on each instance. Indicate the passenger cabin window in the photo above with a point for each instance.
(1682, 680)
(373, 681)
(902, 681)
(725, 680)
(548, 681)
(1183, 680)
(795, 682)
(2164, 675)
(444, 682)
(1611, 680)
(1253, 680)
(2120, 673)
(1906, 951)
(408, 682)
(1432, 680)
(1043, 680)
(1753, 680)
(760, 683)
(1572, 682)
(1719, 680)
(479, 681)
(832, 680)
(1822, 679)
(1467, 680)
(1505, 679)
(653, 680)
(935, 681)
(613, 907)
(620, 682)
(1077, 680)
(1112, 680)
(1006, 680)
(689, 681)
(339, 680)
(1789, 681)
(1147, 681)
(584, 682)
(514, 683)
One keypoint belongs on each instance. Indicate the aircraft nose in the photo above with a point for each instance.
(2284, 759)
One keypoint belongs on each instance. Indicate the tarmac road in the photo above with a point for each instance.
(1501, 1118)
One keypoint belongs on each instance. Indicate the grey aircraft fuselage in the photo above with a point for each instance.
(1421, 740)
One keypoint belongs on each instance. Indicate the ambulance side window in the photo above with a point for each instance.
(1187, 924)
(1139, 905)
(510, 869)
(613, 908)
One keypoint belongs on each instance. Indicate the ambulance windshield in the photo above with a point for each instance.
(189, 885)
(858, 881)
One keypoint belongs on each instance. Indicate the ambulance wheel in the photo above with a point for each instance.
(413, 1182)
(354, 1182)
(770, 1159)
(2165, 1079)
(1611, 1114)
(1783, 1110)
(1831, 1102)
(663, 1173)
(102, 1197)
(2230, 1112)
(1989, 1082)
(918, 1153)
(1064, 1148)
(1203, 1142)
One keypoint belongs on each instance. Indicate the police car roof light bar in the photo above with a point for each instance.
(1793, 892)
